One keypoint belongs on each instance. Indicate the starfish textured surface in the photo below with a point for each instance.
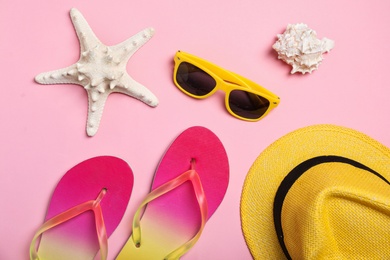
(101, 70)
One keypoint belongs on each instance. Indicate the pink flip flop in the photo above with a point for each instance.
(86, 207)
(189, 185)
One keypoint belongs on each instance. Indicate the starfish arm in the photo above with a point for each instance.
(96, 102)
(130, 87)
(61, 76)
(87, 37)
(101, 70)
(131, 45)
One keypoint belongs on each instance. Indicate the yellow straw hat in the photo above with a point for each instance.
(320, 192)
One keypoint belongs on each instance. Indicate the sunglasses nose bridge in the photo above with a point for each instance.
(227, 90)
(226, 86)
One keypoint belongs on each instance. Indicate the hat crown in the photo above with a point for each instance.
(339, 220)
(337, 210)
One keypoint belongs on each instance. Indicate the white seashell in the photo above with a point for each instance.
(299, 47)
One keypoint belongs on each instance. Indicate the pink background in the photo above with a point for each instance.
(43, 126)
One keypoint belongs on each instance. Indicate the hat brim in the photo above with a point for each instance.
(277, 160)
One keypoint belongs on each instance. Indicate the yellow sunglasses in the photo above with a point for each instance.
(199, 78)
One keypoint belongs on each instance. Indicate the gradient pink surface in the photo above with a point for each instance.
(171, 220)
(43, 126)
(77, 237)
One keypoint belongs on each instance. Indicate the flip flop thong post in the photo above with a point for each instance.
(189, 185)
(86, 207)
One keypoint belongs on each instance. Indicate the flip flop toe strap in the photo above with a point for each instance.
(193, 177)
(93, 205)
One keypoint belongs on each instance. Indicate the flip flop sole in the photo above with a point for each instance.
(174, 218)
(76, 238)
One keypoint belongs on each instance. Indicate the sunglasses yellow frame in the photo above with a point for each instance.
(226, 81)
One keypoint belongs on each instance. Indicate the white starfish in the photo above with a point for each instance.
(101, 70)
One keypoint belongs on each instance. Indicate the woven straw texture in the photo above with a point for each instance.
(276, 161)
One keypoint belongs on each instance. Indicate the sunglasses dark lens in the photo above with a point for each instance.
(247, 105)
(194, 80)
